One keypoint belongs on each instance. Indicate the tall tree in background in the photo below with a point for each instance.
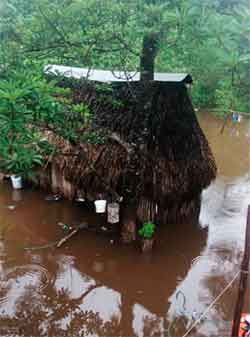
(209, 38)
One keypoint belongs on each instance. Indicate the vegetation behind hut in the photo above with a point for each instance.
(208, 38)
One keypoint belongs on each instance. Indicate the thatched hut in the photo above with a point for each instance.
(155, 156)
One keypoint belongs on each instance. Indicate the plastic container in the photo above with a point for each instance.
(17, 182)
(113, 210)
(100, 206)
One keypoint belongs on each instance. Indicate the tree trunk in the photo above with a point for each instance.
(149, 51)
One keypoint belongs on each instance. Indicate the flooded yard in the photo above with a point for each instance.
(93, 286)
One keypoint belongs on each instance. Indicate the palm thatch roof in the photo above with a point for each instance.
(156, 154)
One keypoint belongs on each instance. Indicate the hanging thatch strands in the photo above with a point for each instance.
(155, 156)
(147, 210)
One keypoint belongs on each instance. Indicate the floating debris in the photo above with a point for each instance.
(68, 236)
(80, 199)
(65, 227)
(46, 246)
(53, 197)
(11, 207)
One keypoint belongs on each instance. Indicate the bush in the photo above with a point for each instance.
(147, 231)
(24, 101)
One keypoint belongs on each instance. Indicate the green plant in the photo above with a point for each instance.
(22, 162)
(83, 111)
(147, 231)
(24, 101)
(208, 38)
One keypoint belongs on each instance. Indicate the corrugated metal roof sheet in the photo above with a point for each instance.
(113, 76)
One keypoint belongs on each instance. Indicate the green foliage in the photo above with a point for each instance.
(210, 39)
(24, 101)
(83, 111)
(22, 161)
(147, 231)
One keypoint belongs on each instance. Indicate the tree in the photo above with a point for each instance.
(207, 38)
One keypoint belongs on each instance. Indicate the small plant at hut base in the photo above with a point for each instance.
(147, 231)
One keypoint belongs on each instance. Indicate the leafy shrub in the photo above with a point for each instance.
(24, 102)
(147, 231)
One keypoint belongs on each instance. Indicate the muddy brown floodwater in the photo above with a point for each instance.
(92, 286)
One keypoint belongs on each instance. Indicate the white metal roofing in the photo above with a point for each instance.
(112, 76)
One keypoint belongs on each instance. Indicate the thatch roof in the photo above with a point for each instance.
(107, 76)
(156, 153)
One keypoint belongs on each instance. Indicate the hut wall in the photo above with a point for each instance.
(159, 160)
(60, 184)
(53, 180)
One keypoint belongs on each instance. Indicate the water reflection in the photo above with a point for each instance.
(219, 262)
(145, 323)
(70, 280)
(17, 195)
(92, 288)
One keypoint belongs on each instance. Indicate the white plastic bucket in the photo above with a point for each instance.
(17, 182)
(100, 206)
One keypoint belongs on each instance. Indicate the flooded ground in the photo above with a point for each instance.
(92, 286)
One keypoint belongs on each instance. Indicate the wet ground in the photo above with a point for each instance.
(92, 286)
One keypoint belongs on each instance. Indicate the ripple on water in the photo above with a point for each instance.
(27, 276)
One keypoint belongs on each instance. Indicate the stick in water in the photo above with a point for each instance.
(67, 237)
